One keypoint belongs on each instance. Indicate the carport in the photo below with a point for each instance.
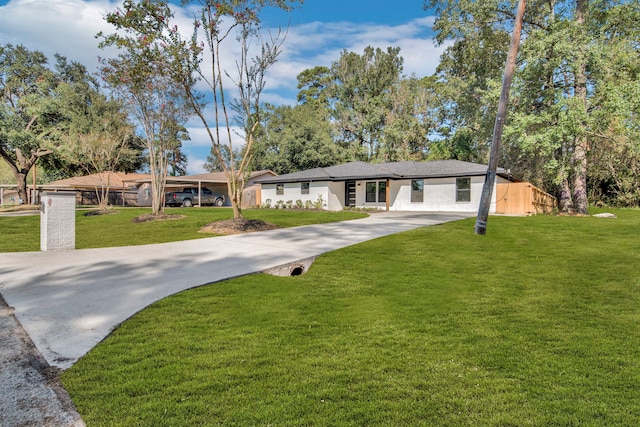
(217, 181)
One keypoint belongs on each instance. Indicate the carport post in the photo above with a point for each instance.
(388, 194)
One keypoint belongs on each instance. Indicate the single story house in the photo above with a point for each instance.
(440, 185)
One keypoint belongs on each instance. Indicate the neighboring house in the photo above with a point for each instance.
(125, 189)
(439, 186)
(130, 189)
(216, 182)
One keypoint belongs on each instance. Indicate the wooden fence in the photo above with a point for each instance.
(523, 198)
(251, 196)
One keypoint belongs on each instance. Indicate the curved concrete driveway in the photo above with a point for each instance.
(68, 301)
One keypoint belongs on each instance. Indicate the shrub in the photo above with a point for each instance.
(299, 204)
(289, 204)
(319, 203)
(266, 204)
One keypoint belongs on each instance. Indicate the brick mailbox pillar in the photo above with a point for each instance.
(57, 221)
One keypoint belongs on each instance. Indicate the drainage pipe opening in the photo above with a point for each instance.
(297, 270)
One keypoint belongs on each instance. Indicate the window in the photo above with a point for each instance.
(417, 190)
(463, 189)
(371, 192)
(304, 188)
(279, 189)
(376, 192)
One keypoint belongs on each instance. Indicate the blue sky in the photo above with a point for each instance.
(320, 30)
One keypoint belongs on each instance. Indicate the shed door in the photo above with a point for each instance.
(350, 193)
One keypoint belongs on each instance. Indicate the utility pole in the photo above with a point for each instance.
(490, 178)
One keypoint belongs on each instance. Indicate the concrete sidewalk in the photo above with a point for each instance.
(69, 301)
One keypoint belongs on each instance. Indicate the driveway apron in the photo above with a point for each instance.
(68, 301)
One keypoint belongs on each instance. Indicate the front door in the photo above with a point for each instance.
(350, 194)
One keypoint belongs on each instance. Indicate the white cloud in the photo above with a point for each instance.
(320, 43)
(200, 138)
(195, 164)
(67, 27)
(199, 147)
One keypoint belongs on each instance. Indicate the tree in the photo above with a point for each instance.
(296, 138)
(142, 76)
(193, 60)
(361, 92)
(216, 163)
(86, 109)
(216, 23)
(409, 121)
(100, 139)
(29, 111)
(558, 94)
(313, 85)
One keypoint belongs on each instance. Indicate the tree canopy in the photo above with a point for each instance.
(578, 59)
(45, 110)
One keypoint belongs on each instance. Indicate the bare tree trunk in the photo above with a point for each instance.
(21, 183)
(579, 158)
(565, 203)
(580, 200)
(157, 167)
(20, 167)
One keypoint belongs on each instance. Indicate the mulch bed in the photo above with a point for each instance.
(237, 226)
(101, 212)
(151, 217)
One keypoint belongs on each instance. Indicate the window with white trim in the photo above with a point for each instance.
(463, 189)
(279, 189)
(304, 188)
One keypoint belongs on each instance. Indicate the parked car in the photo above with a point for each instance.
(189, 196)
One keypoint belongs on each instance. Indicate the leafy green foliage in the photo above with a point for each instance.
(361, 98)
(420, 328)
(411, 117)
(577, 60)
(294, 139)
(30, 110)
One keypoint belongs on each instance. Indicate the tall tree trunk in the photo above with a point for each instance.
(565, 203)
(21, 183)
(235, 186)
(579, 158)
(20, 167)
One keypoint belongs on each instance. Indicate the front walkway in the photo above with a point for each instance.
(69, 301)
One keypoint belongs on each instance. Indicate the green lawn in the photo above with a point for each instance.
(535, 324)
(23, 233)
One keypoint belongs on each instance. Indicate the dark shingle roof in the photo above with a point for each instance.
(392, 170)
